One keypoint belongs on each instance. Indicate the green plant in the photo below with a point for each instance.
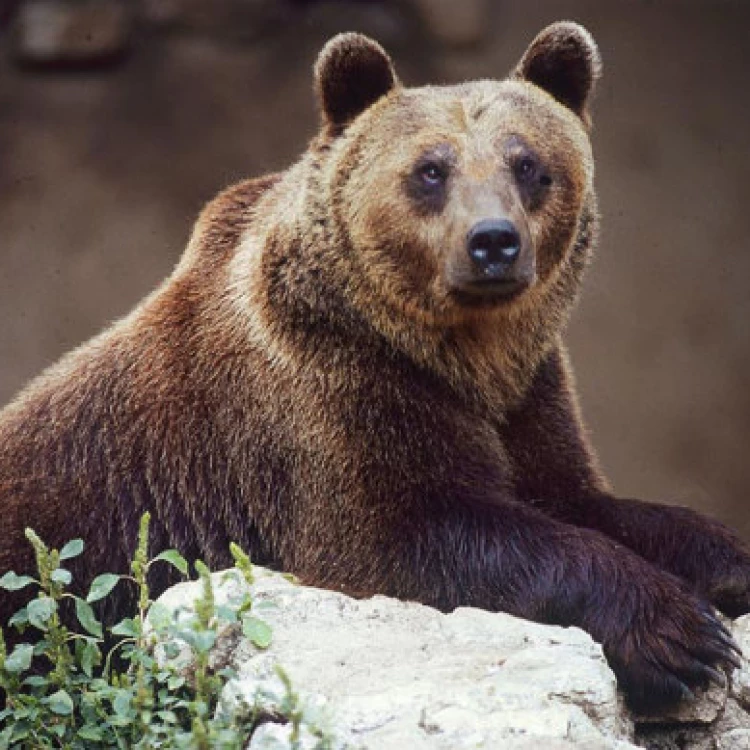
(70, 689)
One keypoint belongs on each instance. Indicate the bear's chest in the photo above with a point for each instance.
(406, 432)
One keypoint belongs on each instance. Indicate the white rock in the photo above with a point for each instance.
(381, 674)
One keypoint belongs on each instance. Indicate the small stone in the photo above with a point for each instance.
(55, 31)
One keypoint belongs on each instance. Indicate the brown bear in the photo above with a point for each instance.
(356, 373)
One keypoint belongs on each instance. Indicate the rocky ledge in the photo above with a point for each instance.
(383, 674)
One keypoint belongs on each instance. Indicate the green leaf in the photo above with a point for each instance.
(168, 717)
(119, 721)
(175, 681)
(121, 703)
(21, 731)
(40, 610)
(90, 732)
(226, 613)
(173, 557)
(101, 586)
(60, 575)
(12, 582)
(5, 736)
(87, 618)
(19, 660)
(201, 641)
(72, 549)
(160, 616)
(90, 657)
(127, 627)
(257, 631)
(60, 703)
(87, 709)
(19, 618)
(34, 680)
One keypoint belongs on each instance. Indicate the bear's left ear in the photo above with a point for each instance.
(564, 61)
(352, 72)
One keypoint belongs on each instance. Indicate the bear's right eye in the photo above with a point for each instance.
(432, 174)
(427, 181)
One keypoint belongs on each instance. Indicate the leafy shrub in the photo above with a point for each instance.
(70, 689)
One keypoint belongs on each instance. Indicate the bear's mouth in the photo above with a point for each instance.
(482, 292)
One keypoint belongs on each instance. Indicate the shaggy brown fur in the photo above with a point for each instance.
(329, 380)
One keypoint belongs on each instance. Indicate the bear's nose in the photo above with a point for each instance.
(494, 245)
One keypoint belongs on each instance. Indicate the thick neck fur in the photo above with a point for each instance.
(309, 284)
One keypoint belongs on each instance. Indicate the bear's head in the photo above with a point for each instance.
(461, 201)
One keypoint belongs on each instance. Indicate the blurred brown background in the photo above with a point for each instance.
(102, 171)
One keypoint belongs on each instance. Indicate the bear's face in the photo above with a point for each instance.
(461, 198)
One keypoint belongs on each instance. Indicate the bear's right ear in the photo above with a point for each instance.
(352, 72)
(564, 61)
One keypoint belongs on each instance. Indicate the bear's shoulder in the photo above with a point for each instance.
(227, 217)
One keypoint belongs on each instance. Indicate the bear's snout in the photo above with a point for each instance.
(494, 246)
(497, 262)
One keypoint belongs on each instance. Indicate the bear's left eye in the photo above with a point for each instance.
(531, 174)
(526, 168)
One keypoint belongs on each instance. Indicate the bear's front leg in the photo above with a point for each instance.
(703, 552)
(556, 473)
(660, 639)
